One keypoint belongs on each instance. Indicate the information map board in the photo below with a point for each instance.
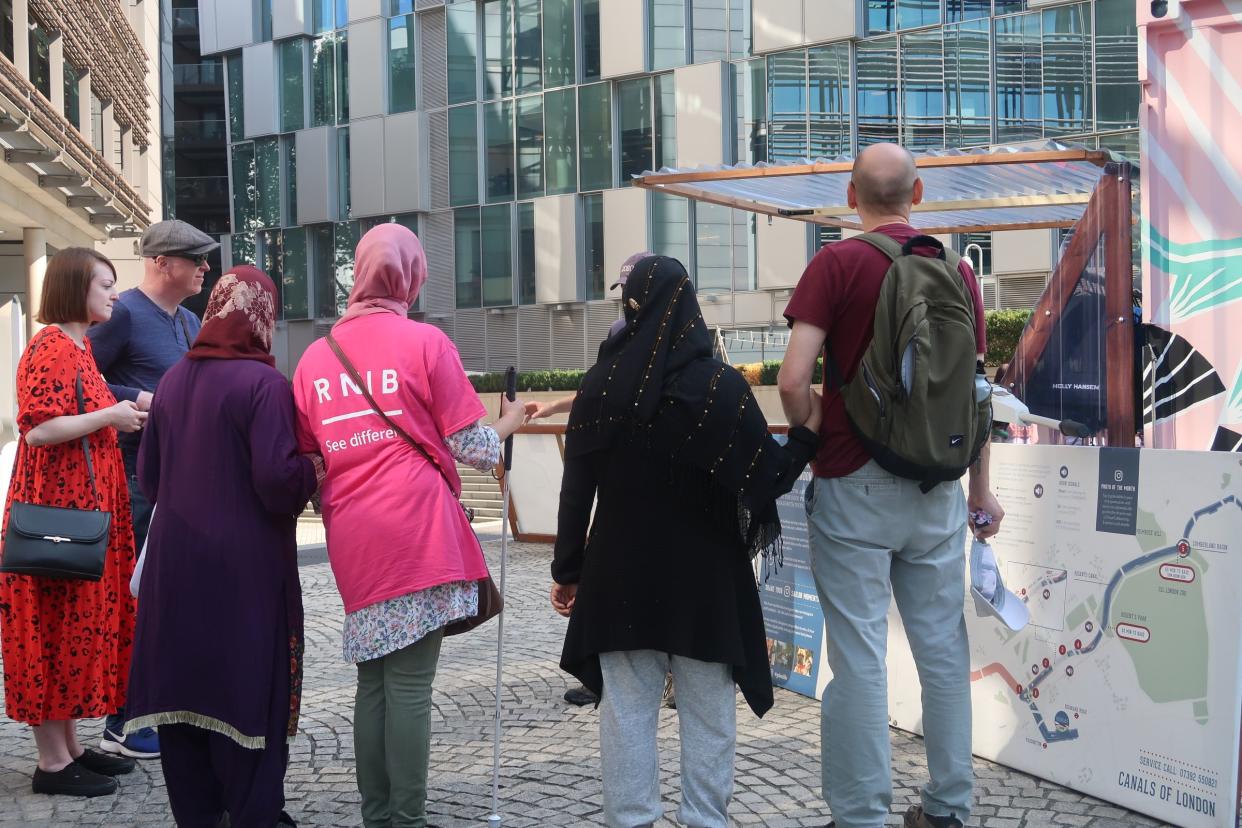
(1126, 683)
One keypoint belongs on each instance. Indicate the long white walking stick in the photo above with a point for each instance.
(494, 819)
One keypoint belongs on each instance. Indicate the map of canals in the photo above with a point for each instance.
(1110, 613)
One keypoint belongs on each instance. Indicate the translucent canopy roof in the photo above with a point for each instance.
(1001, 188)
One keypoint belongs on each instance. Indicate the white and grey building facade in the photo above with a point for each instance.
(504, 132)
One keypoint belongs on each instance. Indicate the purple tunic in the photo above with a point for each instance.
(219, 637)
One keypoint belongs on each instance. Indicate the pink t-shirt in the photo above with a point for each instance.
(393, 525)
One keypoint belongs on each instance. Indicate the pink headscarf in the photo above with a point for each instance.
(390, 269)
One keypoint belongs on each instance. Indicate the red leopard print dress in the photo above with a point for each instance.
(66, 644)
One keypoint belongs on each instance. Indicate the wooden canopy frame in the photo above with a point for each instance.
(830, 215)
(1107, 216)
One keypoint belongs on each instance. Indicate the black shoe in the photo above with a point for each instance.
(104, 764)
(580, 696)
(72, 780)
(916, 817)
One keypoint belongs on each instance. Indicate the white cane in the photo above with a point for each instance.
(494, 819)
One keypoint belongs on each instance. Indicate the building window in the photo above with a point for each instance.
(497, 49)
(270, 262)
(1018, 79)
(825, 236)
(590, 40)
(289, 153)
(467, 261)
(1067, 64)
(244, 195)
(332, 254)
(667, 34)
(497, 254)
(329, 80)
(267, 182)
(956, 11)
(1116, 70)
(530, 146)
(327, 15)
(877, 91)
(498, 137)
(526, 253)
(73, 95)
(401, 64)
(41, 59)
(463, 50)
(528, 47)
(828, 115)
(561, 141)
(922, 91)
(264, 11)
(665, 121)
(753, 130)
(237, 117)
(97, 136)
(593, 221)
(558, 43)
(294, 278)
(786, 76)
(6, 28)
(396, 7)
(967, 82)
(719, 29)
(670, 227)
(891, 15)
(595, 136)
(292, 85)
(977, 249)
(713, 247)
(344, 198)
(463, 128)
(634, 114)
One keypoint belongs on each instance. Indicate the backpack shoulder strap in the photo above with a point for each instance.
(886, 245)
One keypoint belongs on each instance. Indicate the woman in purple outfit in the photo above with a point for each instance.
(218, 655)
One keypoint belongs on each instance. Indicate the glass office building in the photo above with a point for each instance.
(505, 132)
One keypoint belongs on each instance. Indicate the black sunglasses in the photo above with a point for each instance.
(199, 259)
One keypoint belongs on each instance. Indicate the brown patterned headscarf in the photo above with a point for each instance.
(240, 318)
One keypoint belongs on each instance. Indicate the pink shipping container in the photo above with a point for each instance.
(1190, 67)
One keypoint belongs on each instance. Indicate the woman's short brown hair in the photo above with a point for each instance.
(66, 283)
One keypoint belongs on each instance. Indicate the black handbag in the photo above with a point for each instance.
(55, 542)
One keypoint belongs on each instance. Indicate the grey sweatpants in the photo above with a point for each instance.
(629, 715)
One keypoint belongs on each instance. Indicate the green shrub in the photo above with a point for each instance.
(1004, 330)
(529, 381)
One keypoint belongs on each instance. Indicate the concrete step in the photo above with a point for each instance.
(485, 513)
(481, 497)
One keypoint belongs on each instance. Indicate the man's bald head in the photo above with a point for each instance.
(885, 178)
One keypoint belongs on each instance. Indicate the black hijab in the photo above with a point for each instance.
(656, 384)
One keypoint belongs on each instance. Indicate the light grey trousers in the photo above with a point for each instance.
(875, 538)
(629, 716)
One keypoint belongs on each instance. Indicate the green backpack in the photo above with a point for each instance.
(913, 401)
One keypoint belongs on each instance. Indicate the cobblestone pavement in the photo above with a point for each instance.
(550, 772)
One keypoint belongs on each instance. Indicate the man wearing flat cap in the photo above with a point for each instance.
(148, 333)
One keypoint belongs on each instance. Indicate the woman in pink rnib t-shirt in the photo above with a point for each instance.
(405, 559)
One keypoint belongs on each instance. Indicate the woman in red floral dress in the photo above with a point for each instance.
(65, 644)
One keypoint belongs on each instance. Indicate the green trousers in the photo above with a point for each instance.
(392, 734)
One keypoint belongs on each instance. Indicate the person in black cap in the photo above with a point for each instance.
(148, 333)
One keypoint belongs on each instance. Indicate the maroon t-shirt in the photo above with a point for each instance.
(837, 293)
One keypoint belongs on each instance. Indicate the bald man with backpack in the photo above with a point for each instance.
(906, 413)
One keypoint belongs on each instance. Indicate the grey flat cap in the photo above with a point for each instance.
(166, 238)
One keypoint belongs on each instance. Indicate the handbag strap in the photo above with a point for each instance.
(86, 443)
(86, 448)
(401, 432)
